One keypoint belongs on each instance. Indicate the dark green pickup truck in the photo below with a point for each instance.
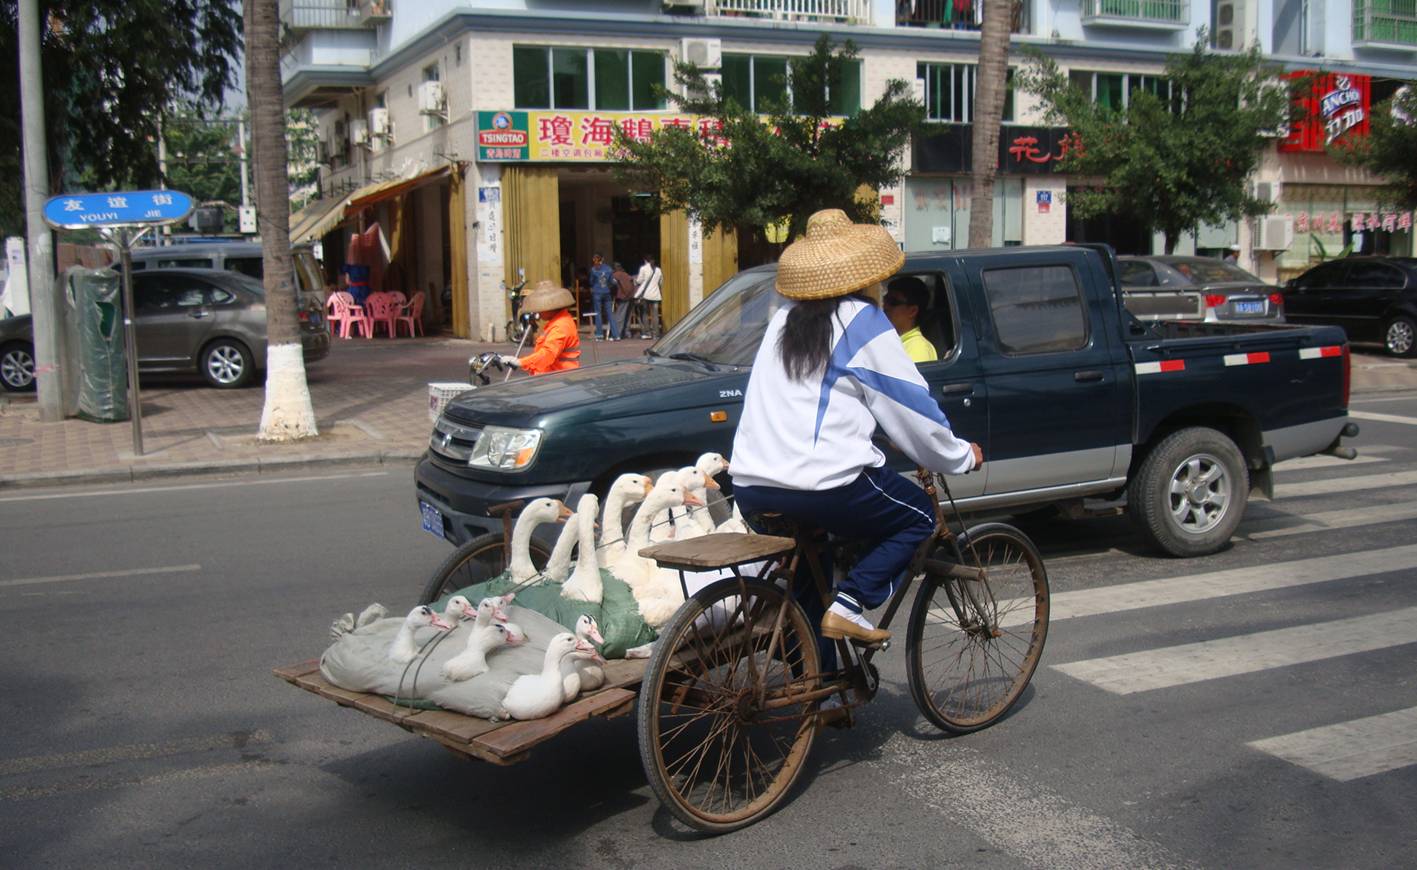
(1070, 397)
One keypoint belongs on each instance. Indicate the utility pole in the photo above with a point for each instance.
(45, 303)
(245, 167)
(162, 172)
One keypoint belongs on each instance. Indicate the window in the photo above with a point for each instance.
(1374, 276)
(585, 78)
(1319, 277)
(1036, 309)
(949, 92)
(1136, 273)
(763, 83)
(1114, 90)
(253, 266)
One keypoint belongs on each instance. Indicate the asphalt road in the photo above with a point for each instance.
(1174, 721)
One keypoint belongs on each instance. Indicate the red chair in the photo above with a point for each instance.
(412, 315)
(381, 309)
(351, 317)
(398, 297)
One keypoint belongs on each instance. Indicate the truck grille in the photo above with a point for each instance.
(453, 441)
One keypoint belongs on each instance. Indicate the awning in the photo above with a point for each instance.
(372, 194)
(317, 218)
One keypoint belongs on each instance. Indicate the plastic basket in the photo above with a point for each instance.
(440, 394)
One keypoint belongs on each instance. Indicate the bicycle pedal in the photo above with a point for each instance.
(878, 646)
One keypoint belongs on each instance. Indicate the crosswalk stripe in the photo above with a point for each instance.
(1350, 750)
(1344, 484)
(1322, 461)
(1233, 581)
(1275, 526)
(1383, 418)
(1247, 653)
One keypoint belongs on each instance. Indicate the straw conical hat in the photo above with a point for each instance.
(547, 296)
(836, 257)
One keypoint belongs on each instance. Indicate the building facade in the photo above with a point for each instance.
(470, 136)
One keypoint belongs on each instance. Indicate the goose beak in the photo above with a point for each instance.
(515, 638)
(439, 623)
(711, 483)
(649, 486)
(692, 500)
(564, 514)
(507, 599)
(584, 646)
(595, 636)
(469, 612)
(499, 614)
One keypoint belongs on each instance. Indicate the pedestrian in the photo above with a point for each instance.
(905, 299)
(1233, 255)
(648, 282)
(558, 346)
(602, 294)
(624, 293)
(829, 371)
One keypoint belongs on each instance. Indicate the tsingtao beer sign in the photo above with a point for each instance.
(1335, 108)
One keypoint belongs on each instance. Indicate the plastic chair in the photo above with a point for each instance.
(334, 313)
(398, 297)
(353, 318)
(412, 315)
(381, 309)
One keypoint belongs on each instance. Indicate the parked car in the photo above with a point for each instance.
(203, 320)
(1075, 402)
(1372, 298)
(243, 257)
(1196, 288)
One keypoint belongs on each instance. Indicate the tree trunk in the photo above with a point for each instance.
(288, 414)
(988, 115)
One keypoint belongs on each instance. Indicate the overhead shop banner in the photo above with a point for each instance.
(1022, 150)
(562, 137)
(1335, 108)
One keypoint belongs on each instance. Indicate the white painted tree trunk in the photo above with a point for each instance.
(288, 414)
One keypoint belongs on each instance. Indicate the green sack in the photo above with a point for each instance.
(618, 614)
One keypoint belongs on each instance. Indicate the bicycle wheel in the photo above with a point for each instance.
(480, 559)
(721, 739)
(972, 646)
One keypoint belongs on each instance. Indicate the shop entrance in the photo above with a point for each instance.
(599, 216)
(1122, 234)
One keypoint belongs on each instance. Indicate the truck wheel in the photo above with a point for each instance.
(1190, 492)
(1398, 338)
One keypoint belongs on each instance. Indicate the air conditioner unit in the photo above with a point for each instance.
(1266, 191)
(1274, 233)
(431, 100)
(359, 131)
(1229, 35)
(703, 53)
(379, 122)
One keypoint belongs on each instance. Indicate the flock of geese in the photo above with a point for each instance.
(675, 507)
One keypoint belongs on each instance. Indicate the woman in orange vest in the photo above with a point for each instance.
(558, 347)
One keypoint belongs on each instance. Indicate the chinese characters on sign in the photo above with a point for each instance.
(129, 208)
(1335, 108)
(1332, 222)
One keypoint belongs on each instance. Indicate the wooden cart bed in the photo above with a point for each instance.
(498, 742)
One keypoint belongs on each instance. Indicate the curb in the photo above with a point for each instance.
(132, 473)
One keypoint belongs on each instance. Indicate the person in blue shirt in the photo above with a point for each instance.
(602, 296)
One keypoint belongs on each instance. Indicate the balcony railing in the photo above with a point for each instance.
(1161, 14)
(1385, 23)
(954, 14)
(301, 15)
(376, 11)
(831, 11)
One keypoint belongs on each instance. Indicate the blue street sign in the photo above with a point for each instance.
(76, 211)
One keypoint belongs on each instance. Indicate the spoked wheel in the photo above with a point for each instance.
(722, 735)
(480, 559)
(973, 646)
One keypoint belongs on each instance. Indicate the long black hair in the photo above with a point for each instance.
(805, 342)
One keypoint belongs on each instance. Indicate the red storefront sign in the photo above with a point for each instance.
(1335, 108)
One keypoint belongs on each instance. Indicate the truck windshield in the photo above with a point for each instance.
(727, 327)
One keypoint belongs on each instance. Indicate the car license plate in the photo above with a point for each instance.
(432, 519)
(1247, 306)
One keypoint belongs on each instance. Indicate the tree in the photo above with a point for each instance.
(204, 160)
(738, 170)
(288, 414)
(1390, 149)
(988, 115)
(1170, 160)
(112, 69)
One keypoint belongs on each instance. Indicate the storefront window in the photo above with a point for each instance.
(1326, 226)
(559, 78)
(949, 92)
(937, 213)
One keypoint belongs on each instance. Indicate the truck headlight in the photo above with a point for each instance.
(504, 449)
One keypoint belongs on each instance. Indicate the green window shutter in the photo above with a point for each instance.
(612, 80)
(846, 93)
(570, 78)
(530, 78)
(648, 73)
(769, 83)
(737, 79)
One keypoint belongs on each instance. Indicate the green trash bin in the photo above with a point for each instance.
(96, 301)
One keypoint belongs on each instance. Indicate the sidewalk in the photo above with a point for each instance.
(371, 402)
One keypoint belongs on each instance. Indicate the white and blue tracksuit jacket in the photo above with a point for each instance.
(815, 434)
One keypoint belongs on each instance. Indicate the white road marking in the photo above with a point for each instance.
(1351, 750)
(1220, 584)
(1032, 824)
(90, 493)
(1271, 527)
(101, 575)
(219, 771)
(1383, 418)
(1244, 654)
(132, 752)
(1344, 484)
(1377, 401)
(1325, 462)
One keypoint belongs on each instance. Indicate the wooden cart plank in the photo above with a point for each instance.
(517, 737)
(446, 726)
(625, 673)
(718, 550)
(290, 673)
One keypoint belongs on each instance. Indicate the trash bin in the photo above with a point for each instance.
(440, 394)
(96, 300)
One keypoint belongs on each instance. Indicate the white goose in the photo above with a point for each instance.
(585, 583)
(541, 510)
(490, 609)
(483, 639)
(695, 521)
(349, 622)
(712, 465)
(403, 650)
(657, 590)
(579, 672)
(533, 696)
(457, 609)
(558, 564)
(627, 489)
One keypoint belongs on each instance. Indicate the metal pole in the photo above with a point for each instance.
(130, 342)
(241, 149)
(162, 172)
(44, 302)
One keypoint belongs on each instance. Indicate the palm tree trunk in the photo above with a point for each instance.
(288, 414)
(988, 114)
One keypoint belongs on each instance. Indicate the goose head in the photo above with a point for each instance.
(458, 608)
(712, 464)
(670, 492)
(423, 615)
(695, 479)
(491, 608)
(542, 510)
(588, 631)
(509, 633)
